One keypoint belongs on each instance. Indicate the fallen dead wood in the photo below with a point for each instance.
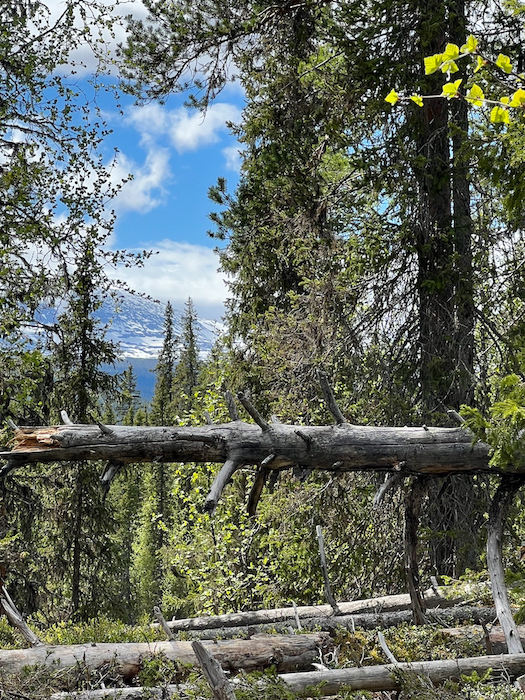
(373, 678)
(164, 693)
(212, 671)
(255, 617)
(496, 636)
(284, 652)
(368, 621)
(384, 677)
(338, 448)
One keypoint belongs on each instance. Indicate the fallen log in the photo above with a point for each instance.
(284, 652)
(367, 621)
(373, 678)
(254, 617)
(495, 637)
(138, 693)
(338, 448)
(377, 678)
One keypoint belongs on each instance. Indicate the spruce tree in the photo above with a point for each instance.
(186, 378)
(164, 373)
(84, 527)
(150, 558)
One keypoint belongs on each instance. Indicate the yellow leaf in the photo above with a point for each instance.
(518, 99)
(433, 63)
(500, 115)
(504, 63)
(451, 52)
(451, 89)
(505, 100)
(417, 99)
(449, 67)
(392, 97)
(471, 45)
(480, 62)
(475, 95)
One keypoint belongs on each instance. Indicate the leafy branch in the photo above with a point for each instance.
(446, 62)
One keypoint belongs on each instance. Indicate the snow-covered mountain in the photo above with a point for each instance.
(137, 325)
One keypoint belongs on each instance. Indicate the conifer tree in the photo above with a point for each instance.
(164, 373)
(150, 563)
(128, 400)
(83, 525)
(186, 378)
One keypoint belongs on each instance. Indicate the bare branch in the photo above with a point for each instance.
(225, 474)
(252, 411)
(329, 398)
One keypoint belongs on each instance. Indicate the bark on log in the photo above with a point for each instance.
(373, 678)
(368, 621)
(139, 693)
(496, 636)
(341, 447)
(285, 652)
(412, 510)
(383, 677)
(254, 617)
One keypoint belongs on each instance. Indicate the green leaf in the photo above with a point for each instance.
(451, 52)
(480, 62)
(475, 95)
(433, 63)
(471, 46)
(503, 62)
(451, 89)
(449, 67)
(518, 98)
(499, 115)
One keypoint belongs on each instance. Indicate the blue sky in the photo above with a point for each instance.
(174, 155)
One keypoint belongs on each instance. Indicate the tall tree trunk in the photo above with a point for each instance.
(77, 535)
(445, 279)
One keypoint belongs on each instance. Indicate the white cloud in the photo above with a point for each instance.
(178, 271)
(187, 129)
(145, 190)
(233, 158)
(191, 130)
(101, 39)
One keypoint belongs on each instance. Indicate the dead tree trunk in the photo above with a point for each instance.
(388, 603)
(498, 510)
(377, 678)
(285, 652)
(412, 510)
